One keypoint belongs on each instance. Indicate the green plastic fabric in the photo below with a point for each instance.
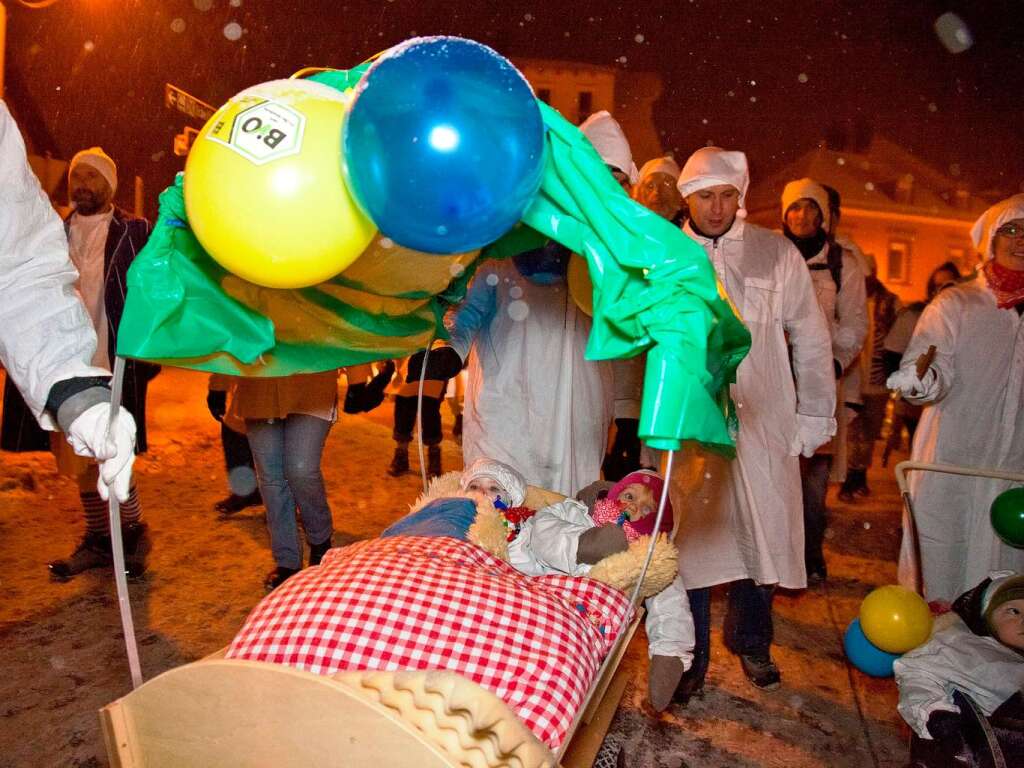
(654, 291)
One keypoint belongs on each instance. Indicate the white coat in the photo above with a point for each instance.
(45, 334)
(532, 400)
(743, 518)
(955, 657)
(547, 544)
(846, 311)
(975, 418)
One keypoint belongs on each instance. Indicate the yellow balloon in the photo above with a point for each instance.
(580, 287)
(895, 619)
(264, 189)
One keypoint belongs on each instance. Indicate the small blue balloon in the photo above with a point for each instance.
(865, 656)
(444, 145)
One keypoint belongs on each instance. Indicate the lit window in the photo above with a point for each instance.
(584, 105)
(898, 261)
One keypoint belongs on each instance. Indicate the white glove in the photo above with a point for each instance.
(812, 432)
(905, 381)
(87, 435)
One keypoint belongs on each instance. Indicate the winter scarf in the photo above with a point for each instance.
(1007, 284)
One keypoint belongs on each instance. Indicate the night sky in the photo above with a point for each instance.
(765, 77)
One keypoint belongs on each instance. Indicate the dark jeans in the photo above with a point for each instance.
(287, 453)
(405, 420)
(814, 480)
(238, 460)
(236, 449)
(747, 630)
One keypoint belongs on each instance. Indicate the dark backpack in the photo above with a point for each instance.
(833, 263)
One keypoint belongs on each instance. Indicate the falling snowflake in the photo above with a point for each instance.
(515, 292)
(492, 279)
(387, 242)
(622, 59)
(233, 31)
(528, 16)
(704, 121)
(933, 107)
(869, 187)
(242, 480)
(802, 77)
(178, 25)
(731, 94)
(753, 99)
(456, 270)
(840, 161)
(235, 3)
(639, 38)
(203, 5)
(518, 310)
(89, 46)
(867, 526)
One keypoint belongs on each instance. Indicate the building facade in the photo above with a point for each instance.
(909, 216)
(577, 90)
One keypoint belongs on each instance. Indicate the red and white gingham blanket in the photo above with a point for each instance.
(410, 603)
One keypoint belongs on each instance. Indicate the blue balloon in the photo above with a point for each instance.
(444, 145)
(865, 656)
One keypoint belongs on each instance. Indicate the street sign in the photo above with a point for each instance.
(183, 141)
(186, 103)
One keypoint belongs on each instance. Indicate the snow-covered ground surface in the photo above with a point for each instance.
(63, 656)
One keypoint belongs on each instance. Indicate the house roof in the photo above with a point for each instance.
(884, 177)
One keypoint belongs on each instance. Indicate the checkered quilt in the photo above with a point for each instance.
(439, 603)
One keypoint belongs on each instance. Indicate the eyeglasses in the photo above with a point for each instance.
(1015, 231)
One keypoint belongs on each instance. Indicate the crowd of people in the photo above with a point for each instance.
(830, 344)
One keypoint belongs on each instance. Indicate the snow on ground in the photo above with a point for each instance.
(63, 654)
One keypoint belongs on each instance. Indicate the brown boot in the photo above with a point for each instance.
(433, 461)
(92, 552)
(400, 461)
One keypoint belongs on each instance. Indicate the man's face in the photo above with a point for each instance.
(657, 192)
(803, 218)
(489, 487)
(1008, 245)
(89, 191)
(1008, 624)
(713, 209)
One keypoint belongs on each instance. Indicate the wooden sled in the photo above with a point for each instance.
(224, 712)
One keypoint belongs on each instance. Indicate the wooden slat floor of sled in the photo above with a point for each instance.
(244, 714)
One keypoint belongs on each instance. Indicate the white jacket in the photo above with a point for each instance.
(532, 400)
(845, 311)
(975, 418)
(45, 333)
(743, 518)
(955, 658)
(547, 544)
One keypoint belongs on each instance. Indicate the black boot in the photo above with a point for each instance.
(277, 577)
(136, 543)
(317, 551)
(433, 461)
(235, 503)
(400, 461)
(92, 552)
(861, 477)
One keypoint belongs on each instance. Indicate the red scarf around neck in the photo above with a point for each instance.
(1007, 284)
